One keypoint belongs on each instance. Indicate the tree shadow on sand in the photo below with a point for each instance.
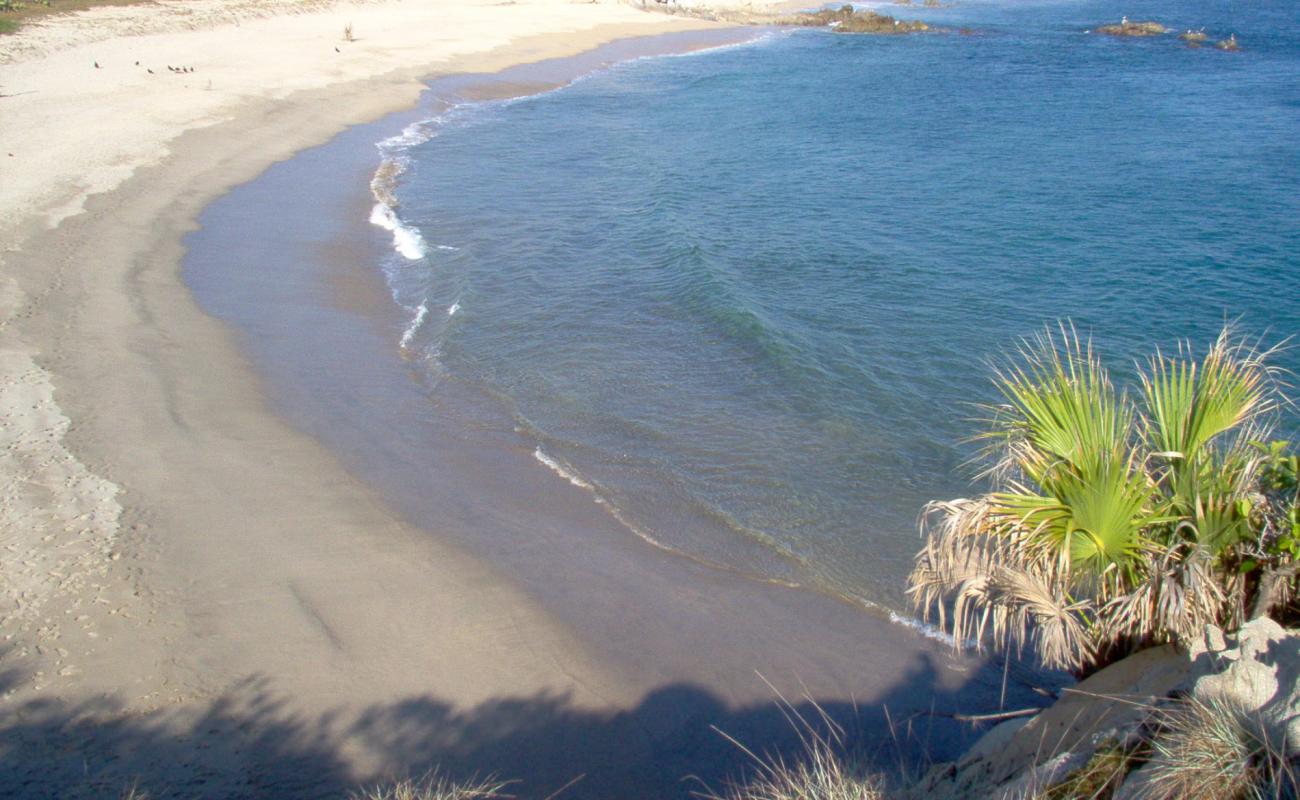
(249, 743)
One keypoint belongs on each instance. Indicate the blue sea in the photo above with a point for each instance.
(747, 299)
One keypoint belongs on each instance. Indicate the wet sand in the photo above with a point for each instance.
(212, 596)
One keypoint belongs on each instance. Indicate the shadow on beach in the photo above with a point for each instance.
(250, 743)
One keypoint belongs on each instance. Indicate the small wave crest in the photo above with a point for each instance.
(406, 240)
(383, 186)
(407, 335)
(571, 475)
(564, 472)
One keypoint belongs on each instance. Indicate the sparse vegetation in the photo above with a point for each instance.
(826, 770)
(14, 13)
(821, 775)
(435, 787)
(347, 32)
(1115, 522)
(1097, 779)
(1213, 751)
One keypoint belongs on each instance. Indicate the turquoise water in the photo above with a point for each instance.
(748, 297)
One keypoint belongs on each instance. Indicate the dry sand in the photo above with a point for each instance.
(165, 541)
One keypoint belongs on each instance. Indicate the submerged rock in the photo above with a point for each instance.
(1126, 28)
(847, 19)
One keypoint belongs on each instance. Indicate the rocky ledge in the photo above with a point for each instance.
(1126, 28)
(1115, 734)
(847, 19)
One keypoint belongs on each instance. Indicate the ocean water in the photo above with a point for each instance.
(747, 298)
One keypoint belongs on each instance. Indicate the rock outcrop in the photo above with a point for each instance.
(1255, 673)
(847, 19)
(1126, 28)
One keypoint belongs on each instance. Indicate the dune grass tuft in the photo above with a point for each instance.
(435, 787)
(826, 769)
(1214, 751)
(821, 775)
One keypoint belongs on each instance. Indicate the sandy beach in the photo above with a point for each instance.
(200, 597)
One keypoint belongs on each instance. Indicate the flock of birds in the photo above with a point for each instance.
(170, 68)
(181, 70)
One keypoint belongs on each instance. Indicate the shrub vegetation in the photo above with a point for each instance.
(1117, 518)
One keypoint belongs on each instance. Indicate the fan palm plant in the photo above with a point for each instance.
(1116, 519)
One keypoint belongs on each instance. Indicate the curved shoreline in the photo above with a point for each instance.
(209, 574)
(255, 591)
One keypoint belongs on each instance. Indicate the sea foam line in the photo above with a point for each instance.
(406, 239)
(929, 631)
(420, 313)
(566, 473)
(571, 475)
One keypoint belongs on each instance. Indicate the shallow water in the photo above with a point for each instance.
(747, 298)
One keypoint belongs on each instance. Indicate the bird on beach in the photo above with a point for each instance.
(97, 65)
(146, 69)
(337, 50)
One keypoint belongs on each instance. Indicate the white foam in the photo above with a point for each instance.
(417, 132)
(447, 247)
(929, 631)
(562, 471)
(416, 322)
(406, 240)
(451, 312)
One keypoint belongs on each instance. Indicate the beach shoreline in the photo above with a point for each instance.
(184, 560)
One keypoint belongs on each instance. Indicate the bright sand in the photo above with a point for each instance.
(176, 557)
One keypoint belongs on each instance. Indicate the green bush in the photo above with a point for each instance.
(1118, 519)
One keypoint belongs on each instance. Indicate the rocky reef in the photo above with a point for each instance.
(1116, 734)
(1193, 36)
(1126, 28)
(1228, 44)
(847, 19)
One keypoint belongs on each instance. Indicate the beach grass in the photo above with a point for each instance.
(14, 13)
(822, 774)
(827, 769)
(434, 786)
(1212, 750)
